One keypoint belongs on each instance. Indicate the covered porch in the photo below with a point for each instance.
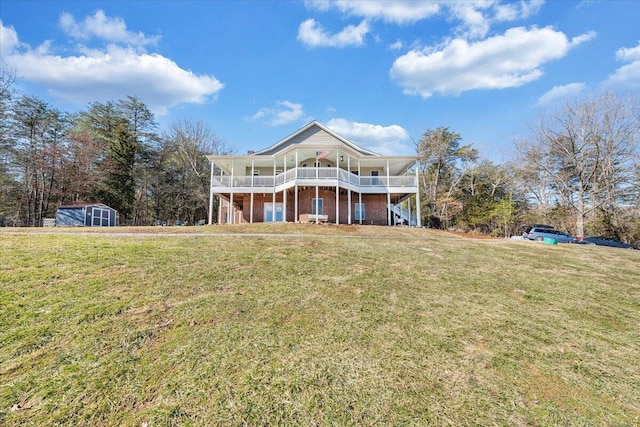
(318, 204)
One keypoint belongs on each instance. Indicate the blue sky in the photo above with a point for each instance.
(379, 73)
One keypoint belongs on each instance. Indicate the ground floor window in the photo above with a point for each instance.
(316, 207)
(359, 212)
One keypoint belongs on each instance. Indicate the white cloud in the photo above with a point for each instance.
(388, 140)
(284, 112)
(312, 34)
(397, 45)
(514, 11)
(628, 53)
(400, 12)
(588, 36)
(560, 93)
(476, 16)
(8, 39)
(475, 22)
(110, 29)
(627, 76)
(108, 74)
(509, 60)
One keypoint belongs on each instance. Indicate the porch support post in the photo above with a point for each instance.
(273, 205)
(349, 207)
(251, 207)
(231, 210)
(337, 187)
(388, 197)
(284, 192)
(211, 195)
(316, 205)
(360, 202)
(220, 203)
(252, 190)
(409, 210)
(349, 191)
(295, 202)
(418, 217)
(284, 205)
(360, 191)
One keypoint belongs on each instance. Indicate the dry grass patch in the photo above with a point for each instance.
(411, 327)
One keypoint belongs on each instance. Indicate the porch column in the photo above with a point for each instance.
(418, 219)
(273, 205)
(349, 206)
(316, 205)
(360, 191)
(295, 204)
(388, 197)
(337, 187)
(295, 189)
(231, 212)
(252, 190)
(211, 195)
(409, 209)
(251, 211)
(220, 203)
(284, 205)
(284, 192)
(349, 191)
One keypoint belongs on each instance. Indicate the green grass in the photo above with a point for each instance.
(334, 327)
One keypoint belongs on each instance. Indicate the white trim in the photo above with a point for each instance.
(322, 127)
(211, 195)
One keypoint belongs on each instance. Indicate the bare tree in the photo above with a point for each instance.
(585, 153)
(9, 186)
(184, 185)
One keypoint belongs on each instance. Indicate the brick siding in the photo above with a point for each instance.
(375, 206)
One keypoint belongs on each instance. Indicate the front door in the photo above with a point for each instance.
(268, 212)
(375, 181)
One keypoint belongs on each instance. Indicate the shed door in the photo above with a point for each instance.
(100, 217)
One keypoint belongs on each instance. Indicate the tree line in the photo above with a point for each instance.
(110, 153)
(578, 170)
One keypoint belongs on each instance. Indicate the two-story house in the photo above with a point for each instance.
(315, 175)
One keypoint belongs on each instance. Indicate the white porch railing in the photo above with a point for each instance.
(320, 174)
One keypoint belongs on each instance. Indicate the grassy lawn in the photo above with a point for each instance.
(332, 326)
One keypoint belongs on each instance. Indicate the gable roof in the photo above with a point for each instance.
(313, 126)
(84, 205)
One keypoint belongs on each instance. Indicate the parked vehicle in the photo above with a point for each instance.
(539, 233)
(604, 241)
